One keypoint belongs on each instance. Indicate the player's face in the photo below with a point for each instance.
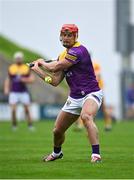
(68, 39)
(19, 60)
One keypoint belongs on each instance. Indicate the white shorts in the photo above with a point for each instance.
(74, 106)
(16, 97)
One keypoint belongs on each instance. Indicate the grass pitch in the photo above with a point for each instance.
(21, 152)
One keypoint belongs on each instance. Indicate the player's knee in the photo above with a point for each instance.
(57, 132)
(26, 109)
(13, 109)
(86, 118)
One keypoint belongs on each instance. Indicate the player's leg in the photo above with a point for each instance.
(107, 117)
(13, 100)
(78, 125)
(28, 115)
(13, 114)
(88, 113)
(25, 100)
(63, 122)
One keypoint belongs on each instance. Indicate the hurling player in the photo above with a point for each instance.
(15, 86)
(85, 96)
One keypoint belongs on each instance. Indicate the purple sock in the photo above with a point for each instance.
(95, 149)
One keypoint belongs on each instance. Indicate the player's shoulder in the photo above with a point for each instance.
(78, 45)
(63, 52)
(25, 66)
(25, 69)
(12, 68)
(77, 48)
(62, 55)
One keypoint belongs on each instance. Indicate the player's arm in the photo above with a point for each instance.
(57, 77)
(7, 86)
(54, 79)
(54, 66)
(28, 79)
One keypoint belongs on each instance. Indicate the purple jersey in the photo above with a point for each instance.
(80, 77)
(15, 73)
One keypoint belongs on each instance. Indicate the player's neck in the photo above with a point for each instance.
(19, 64)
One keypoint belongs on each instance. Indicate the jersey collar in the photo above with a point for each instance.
(77, 44)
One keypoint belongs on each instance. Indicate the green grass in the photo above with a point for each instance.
(21, 152)
(8, 48)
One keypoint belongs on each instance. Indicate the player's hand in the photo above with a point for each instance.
(23, 79)
(29, 79)
(40, 61)
(6, 92)
(36, 65)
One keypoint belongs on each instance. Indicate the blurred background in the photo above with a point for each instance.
(105, 28)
